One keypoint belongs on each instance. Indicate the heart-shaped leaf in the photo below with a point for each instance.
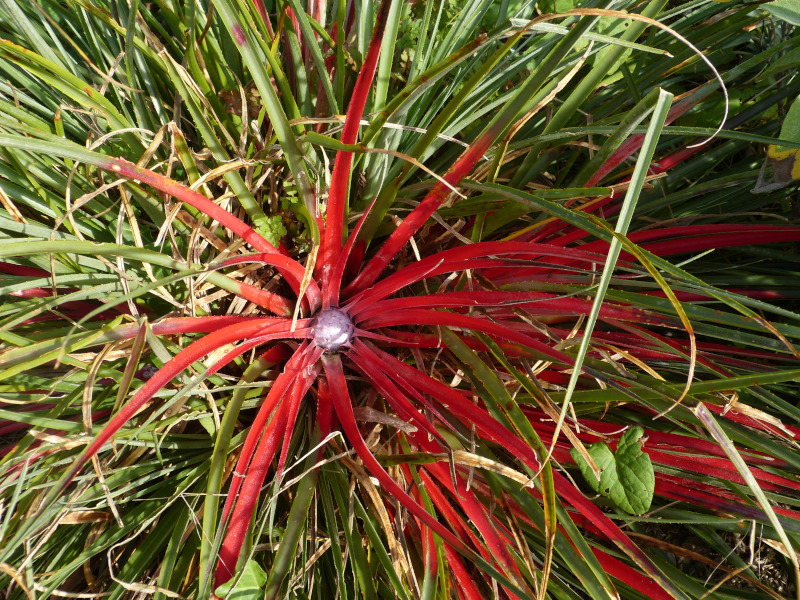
(627, 477)
(249, 586)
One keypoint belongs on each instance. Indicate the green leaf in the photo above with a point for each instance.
(626, 478)
(272, 228)
(790, 130)
(784, 160)
(786, 10)
(553, 6)
(249, 586)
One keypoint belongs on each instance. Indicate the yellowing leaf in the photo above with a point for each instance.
(784, 160)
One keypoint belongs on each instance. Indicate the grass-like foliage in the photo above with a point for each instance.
(396, 300)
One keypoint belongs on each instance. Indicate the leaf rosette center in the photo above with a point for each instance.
(332, 329)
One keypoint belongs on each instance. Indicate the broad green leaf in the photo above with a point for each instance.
(249, 586)
(786, 10)
(790, 130)
(626, 477)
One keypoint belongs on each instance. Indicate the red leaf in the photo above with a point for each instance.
(286, 267)
(276, 393)
(308, 374)
(414, 316)
(493, 431)
(297, 381)
(538, 303)
(340, 179)
(344, 411)
(371, 368)
(124, 168)
(400, 236)
(458, 259)
(174, 367)
(342, 263)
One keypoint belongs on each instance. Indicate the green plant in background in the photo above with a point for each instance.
(500, 331)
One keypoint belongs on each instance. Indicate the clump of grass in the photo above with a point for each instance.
(501, 318)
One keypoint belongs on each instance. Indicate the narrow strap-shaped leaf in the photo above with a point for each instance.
(273, 399)
(335, 285)
(467, 161)
(455, 259)
(414, 316)
(310, 374)
(539, 302)
(249, 49)
(660, 110)
(220, 455)
(298, 516)
(344, 411)
(174, 367)
(340, 179)
(492, 430)
(466, 585)
(275, 432)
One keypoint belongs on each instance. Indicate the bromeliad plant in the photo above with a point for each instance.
(432, 291)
